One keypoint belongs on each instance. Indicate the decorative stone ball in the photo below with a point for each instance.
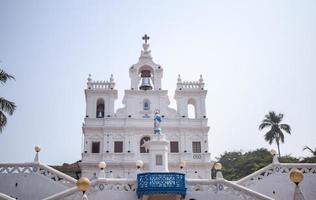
(102, 165)
(37, 149)
(296, 176)
(273, 152)
(83, 184)
(139, 164)
(182, 164)
(218, 166)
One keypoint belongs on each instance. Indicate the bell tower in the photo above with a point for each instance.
(145, 74)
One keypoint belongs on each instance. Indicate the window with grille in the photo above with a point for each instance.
(196, 147)
(95, 147)
(118, 147)
(174, 147)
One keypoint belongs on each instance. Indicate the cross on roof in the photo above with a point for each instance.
(145, 37)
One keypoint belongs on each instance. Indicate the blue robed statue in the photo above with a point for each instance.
(157, 121)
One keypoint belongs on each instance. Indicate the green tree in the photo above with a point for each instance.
(237, 165)
(273, 121)
(6, 106)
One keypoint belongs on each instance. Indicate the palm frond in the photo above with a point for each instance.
(3, 121)
(267, 121)
(286, 128)
(5, 76)
(7, 106)
(311, 150)
(308, 148)
(270, 136)
(280, 116)
(264, 125)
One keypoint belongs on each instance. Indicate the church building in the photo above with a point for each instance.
(118, 137)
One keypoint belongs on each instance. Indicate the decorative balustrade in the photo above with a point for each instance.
(190, 85)
(161, 183)
(98, 185)
(105, 85)
(121, 185)
(101, 85)
(113, 121)
(223, 186)
(282, 168)
(37, 168)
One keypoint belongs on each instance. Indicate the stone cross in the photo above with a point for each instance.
(145, 37)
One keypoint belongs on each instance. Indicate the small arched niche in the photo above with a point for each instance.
(146, 105)
(100, 108)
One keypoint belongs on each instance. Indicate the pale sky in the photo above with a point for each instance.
(255, 56)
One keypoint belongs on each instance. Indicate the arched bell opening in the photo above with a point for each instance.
(146, 78)
(192, 109)
(100, 108)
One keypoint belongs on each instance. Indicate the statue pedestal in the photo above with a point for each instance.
(158, 149)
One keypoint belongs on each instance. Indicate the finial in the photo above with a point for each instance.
(89, 78)
(145, 53)
(83, 184)
(296, 176)
(102, 166)
(37, 150)
(139, 164)
(275, 159)
(179, 78)
(201, 79)
(145, 37)
(182, 164)
(218, 167)
(111, 79)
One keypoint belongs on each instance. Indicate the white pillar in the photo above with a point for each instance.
(158, 148)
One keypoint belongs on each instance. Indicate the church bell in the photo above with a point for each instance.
(145, 82)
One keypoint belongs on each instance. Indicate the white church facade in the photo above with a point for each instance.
(117, 137)
(150, 151)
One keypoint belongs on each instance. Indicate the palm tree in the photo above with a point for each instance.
(273, 121)
(5, 105)
(311, 150)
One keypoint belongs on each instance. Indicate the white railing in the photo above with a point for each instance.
(283, 168)
(223, 186)
(37, 168)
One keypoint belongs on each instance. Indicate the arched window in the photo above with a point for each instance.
(100, 108)
(143, 148)
(146, 105)
(192, 109)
